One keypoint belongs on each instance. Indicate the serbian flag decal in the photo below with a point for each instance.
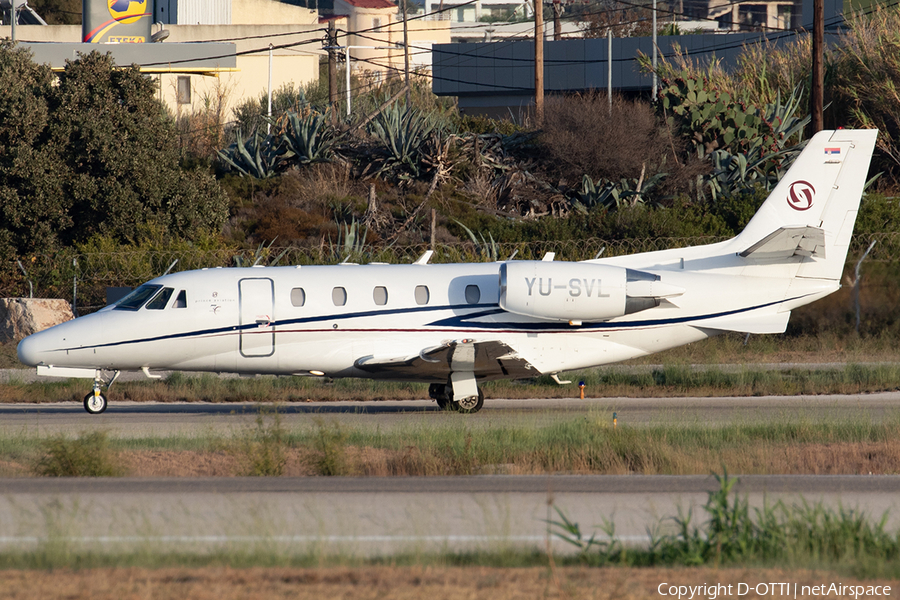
(832, 151)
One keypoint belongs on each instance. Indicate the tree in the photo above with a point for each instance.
(95, 153)
(30, 176)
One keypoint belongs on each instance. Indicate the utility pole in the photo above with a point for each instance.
(405, 53)
(557, 24)
(609, 68)
(269, 121)
(816, 97)
(539, 62)
(653, 93)
(12, 21)
(332, 64)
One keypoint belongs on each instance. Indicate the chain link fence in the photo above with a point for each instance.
(83, 278)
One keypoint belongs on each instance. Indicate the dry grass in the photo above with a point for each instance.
(401, 583)
(841, 458)
(583, 137)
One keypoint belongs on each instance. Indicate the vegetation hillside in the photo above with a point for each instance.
(100, 186)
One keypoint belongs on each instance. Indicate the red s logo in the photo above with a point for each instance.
(800, 195)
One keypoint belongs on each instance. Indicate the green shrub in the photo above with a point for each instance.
(88, 456)
(331, 444)
(263, 451)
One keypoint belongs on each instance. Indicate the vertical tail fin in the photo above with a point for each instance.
(813, 209)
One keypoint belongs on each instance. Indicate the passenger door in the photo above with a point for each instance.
(257, 305)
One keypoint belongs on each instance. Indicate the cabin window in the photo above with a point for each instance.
(473, 294)
(181, 300)
(380, 295)
(136, 299)
(160, 301)
(339, 296)
(422, 295)
(298, 297)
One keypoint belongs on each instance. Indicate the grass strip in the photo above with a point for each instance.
(584, 444)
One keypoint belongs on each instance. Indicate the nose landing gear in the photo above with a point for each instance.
(95, 402)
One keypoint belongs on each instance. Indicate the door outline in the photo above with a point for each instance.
(256, 308)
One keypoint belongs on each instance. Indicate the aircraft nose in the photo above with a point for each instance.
(29, 350)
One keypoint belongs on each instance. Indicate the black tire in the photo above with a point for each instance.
(439, 392)
(95, 404)
(460, 406)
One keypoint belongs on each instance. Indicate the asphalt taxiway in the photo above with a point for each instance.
(127, 419)
(369, 516)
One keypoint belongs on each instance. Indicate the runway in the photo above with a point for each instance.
(382, 516)
(131, 419)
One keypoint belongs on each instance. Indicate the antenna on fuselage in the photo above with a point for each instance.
(174, 262)
(426, 256)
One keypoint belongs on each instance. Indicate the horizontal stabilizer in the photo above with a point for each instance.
(787, 242)
(748, 323)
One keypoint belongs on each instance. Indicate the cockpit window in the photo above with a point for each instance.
(181, 300)
(136, 299)
(160, 301)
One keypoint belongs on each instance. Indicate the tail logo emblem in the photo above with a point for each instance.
(800, 195)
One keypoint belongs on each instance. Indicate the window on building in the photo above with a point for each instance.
(473, 294)
(380, 295)
(183, 90)
(339, 296)
(376, 22)
(422, 295)
(181, 300)
(298, 297)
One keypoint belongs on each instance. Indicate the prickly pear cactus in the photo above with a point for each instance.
(712, 119)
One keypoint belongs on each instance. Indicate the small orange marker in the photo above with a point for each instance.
(581, 387)
(615, 421)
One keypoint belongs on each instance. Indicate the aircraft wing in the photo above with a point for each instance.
(789, 241)
(492, 359)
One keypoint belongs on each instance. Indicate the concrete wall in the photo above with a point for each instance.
(290, 66)
(488, 77)
(271, 12)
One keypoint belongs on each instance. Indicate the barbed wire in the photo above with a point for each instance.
(84, 277)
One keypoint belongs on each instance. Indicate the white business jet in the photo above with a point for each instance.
(456, 325)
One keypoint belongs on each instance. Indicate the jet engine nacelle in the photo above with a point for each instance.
(577, 291)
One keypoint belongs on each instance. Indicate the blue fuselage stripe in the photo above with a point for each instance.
(454, 322)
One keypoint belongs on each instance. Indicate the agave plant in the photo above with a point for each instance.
(256, 157)
(486, 249)
(403, 130)
(351, 242)
(310, 138)
(611, 195)
(767, 158)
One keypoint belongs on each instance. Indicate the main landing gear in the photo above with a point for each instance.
(443, 395)
(95, 402)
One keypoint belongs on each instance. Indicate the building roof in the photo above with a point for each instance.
(327, 18)
(371, 3)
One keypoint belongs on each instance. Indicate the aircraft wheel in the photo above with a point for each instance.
(443, 395)
(472, 404)
(95, 404)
